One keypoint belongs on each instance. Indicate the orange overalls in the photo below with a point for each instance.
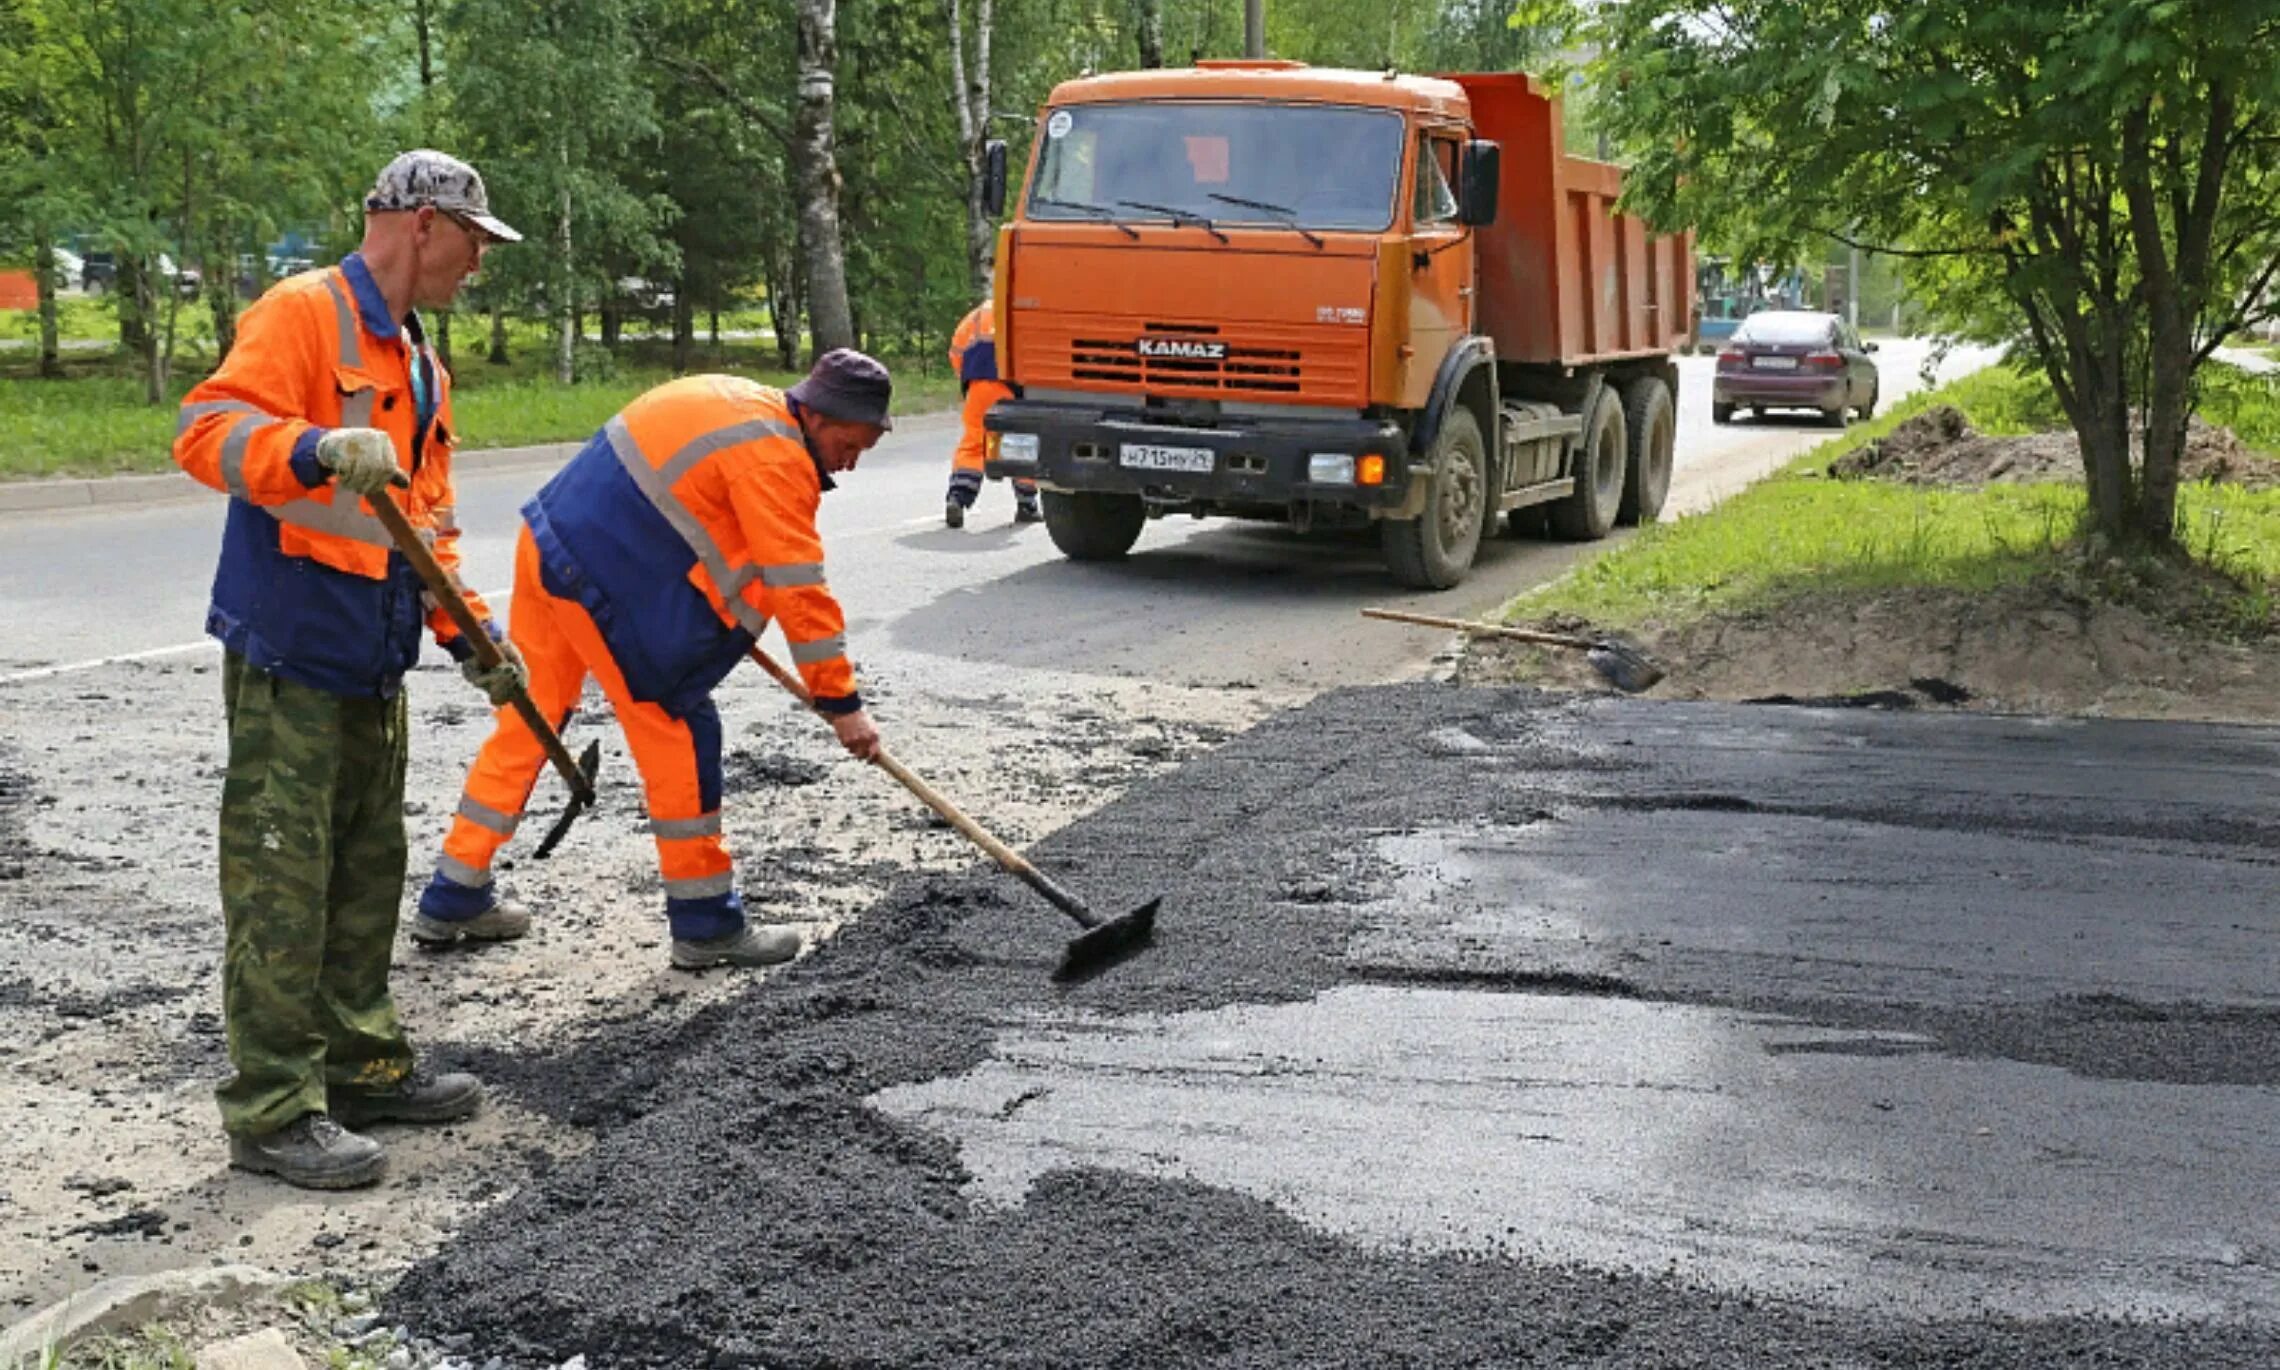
(652, 562)
(973, 355)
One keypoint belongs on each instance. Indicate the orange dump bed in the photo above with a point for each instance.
(1563, 277)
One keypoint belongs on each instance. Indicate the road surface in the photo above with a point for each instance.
(1197, 602)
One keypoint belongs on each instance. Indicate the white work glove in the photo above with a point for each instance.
(362, 460)
(502, 682)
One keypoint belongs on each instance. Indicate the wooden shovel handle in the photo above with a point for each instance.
(487, 653)
(1463, 625)
(934, 799)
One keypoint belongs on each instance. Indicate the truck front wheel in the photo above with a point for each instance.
(1599, 470)
(1094, 527)
(1434, 550)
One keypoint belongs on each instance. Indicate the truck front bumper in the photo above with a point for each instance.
(1259, 462)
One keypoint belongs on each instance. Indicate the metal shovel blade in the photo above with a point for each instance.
(589, 764)
(1108, 944)
(1625, 669)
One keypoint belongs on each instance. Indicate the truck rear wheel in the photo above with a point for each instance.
(1653, 423)
(1434, 550)
(1093, 527)
(1599, 471)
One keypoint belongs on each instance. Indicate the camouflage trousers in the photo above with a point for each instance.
(312, 861)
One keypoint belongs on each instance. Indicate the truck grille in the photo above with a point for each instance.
(1283, 363)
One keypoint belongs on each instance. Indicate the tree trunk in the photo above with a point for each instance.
(43, 265)
(613, 324)
(818, 176)
(684, 325)
(1148, 27)
(498, 355)
(127, 288)
(221, 295)
(565, 298)
(971, 95)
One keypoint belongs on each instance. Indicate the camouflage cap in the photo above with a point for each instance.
(427, 177)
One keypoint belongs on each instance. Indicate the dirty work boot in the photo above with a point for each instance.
(1027, 511)
(748, 946)
(420, 1097)
(311, 1152)
(504, 921)
(953, 513)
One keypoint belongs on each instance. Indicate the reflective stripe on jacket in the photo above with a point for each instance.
(308, 586)
(973, 347)
(683, 528)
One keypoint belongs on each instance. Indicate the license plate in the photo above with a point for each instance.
(1774, 363)
(1149, 457)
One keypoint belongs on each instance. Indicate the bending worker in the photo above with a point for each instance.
(653, 562)
(331, 396)
(973, 355)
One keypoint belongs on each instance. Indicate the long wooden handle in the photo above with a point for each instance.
(1463, 625)
(934, 799)
(487, 653)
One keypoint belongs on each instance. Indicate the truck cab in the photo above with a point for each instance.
(1262, 290)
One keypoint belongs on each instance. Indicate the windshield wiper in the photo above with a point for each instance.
(1103, 211)
(1179, 216)
(1285, 213)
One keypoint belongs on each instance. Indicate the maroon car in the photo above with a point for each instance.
(1795, 359)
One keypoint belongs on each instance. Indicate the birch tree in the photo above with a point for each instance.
(816, 161)
(971, 95)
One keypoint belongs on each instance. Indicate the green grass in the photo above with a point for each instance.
(1799, 531)
(95, 422)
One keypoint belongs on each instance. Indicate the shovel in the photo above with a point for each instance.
(1626, 668)
(578, 771)
(1104, 942)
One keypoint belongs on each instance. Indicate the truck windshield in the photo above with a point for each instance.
(1310, 166)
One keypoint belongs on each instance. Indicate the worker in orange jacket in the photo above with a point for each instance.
(329, 399)
(973, 355)
(652, 563)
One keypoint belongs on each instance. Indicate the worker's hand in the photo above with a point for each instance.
(857, 735)
(362, 460)
(502, 682)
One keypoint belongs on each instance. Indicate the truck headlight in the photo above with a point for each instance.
(1330, 468)
(1017, 447)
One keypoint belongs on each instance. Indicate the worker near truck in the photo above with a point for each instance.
(331, 396)
(973, 355)
(653, 562)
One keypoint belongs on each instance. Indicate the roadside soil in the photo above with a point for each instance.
(110, 1028)
(1940, 447)
(2122, 642)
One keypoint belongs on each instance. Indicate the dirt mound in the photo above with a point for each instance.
(2042, 647)
(1940, 447)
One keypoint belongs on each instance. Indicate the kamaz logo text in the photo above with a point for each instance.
(1187, 349)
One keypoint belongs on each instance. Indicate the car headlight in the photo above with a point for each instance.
(1017, 447)
(1330, 468)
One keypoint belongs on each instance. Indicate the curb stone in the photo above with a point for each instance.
(129, 1301)
(36, 496)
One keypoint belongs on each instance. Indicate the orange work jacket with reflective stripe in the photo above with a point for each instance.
(973, 347)
(309, 586)
(683, 528)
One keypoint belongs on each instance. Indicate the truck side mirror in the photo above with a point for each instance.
(1481, 177)
(993, 176)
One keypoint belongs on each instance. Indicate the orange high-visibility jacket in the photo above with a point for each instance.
(973, 347)
(683, 528)
(309, 586)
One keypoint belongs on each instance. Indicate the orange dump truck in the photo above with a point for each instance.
(1332, 298)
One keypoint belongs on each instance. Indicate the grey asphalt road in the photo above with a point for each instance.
(1198, 602)
(1485, 1028)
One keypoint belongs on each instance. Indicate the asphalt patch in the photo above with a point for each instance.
(744, 1205)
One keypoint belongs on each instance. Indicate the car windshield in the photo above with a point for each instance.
(1785, 329)
(1315, 166)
